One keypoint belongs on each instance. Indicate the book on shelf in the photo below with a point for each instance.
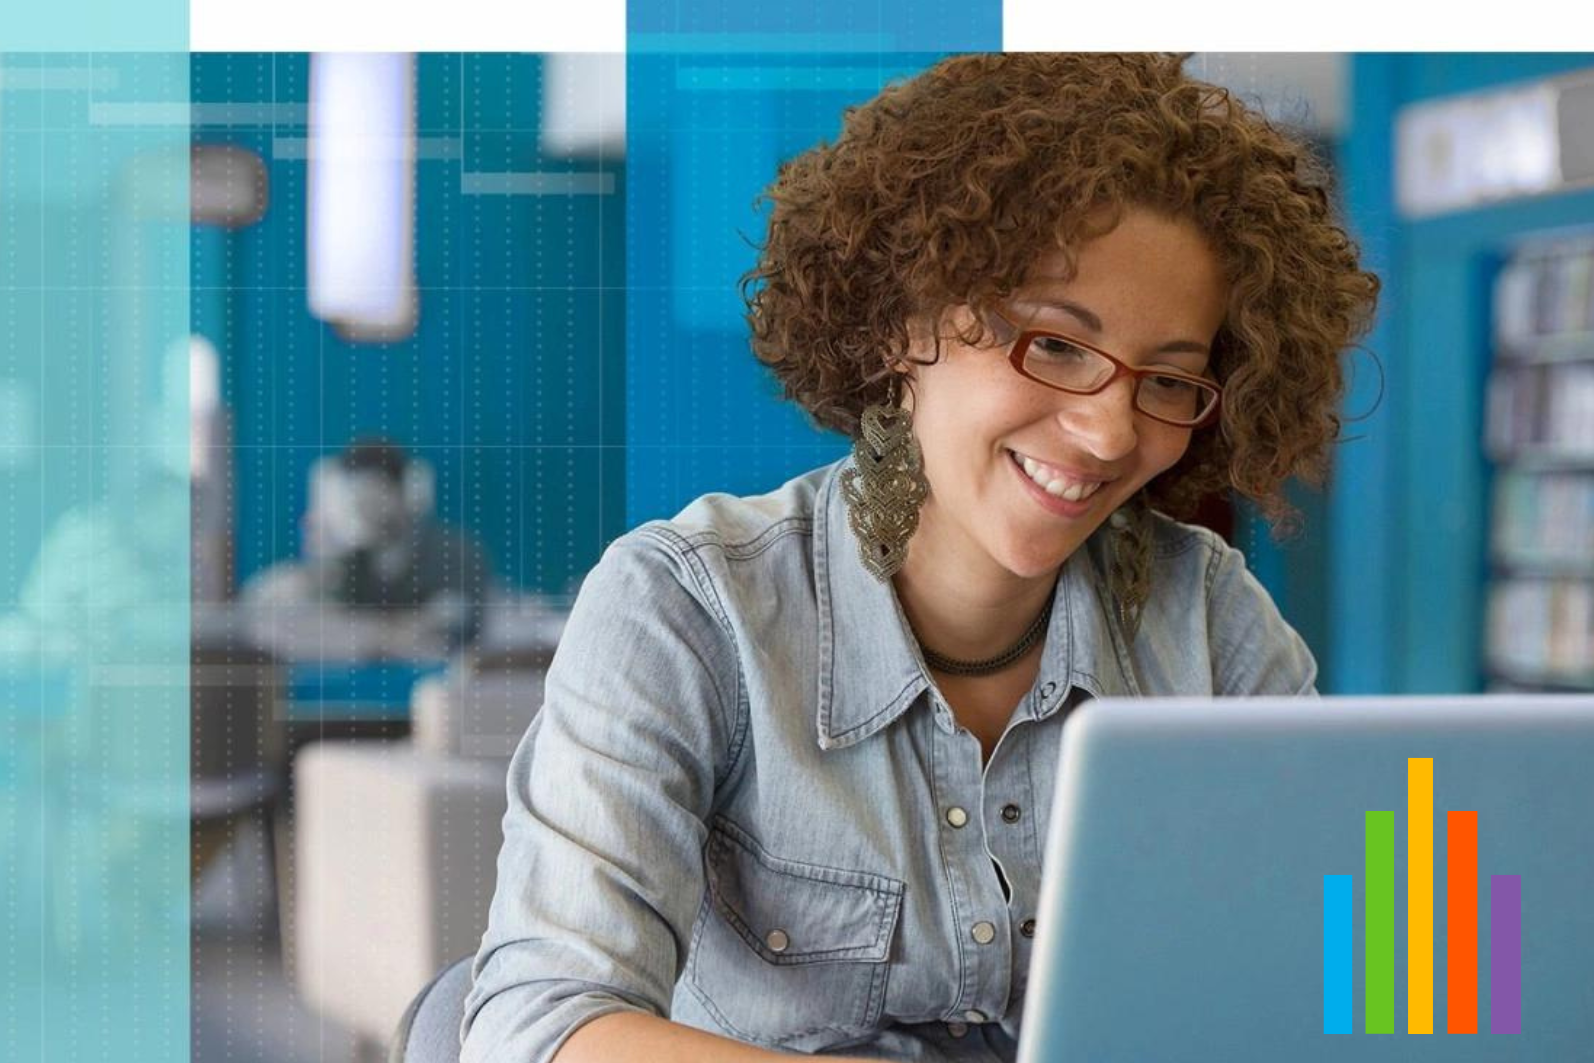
(1543, 408)
(1542, 627)
(1545, 520)
(1547, 289)
(1539, 432)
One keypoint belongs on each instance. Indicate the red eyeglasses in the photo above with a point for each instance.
(1079, 368)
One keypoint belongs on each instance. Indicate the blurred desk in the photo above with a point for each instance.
(362, 693)
(354, 690)
(352, 673)
(304, 631)
(335, 700)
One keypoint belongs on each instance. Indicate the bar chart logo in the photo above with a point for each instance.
(1461, 926)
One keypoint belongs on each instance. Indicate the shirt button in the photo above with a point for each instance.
(1010, 813)
(777, 941)
(984, 933)
(1046, 691)
(1027, 928)
(957, 1029)
(956, 816)
(974, 1016)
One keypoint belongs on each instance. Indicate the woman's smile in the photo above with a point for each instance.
(1062, 495)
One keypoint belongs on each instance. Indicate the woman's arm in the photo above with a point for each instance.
(1254, 649)
(600, 876)
(629, 1037)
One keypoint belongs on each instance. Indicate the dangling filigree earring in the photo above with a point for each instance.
(886, 488)
(1129, 580)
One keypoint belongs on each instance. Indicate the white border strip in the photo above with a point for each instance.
(372, 26)
(1257, 26)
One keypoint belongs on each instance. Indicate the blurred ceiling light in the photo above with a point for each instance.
(204, 377)
(361, 193)
(376, 332)
(227, 186)
(208, 184)
(204, 404)
(583, 105)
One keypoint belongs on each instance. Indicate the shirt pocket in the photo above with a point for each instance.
(788, 954)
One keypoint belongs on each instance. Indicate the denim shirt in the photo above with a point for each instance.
(745, 805)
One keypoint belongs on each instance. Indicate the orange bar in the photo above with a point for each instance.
(1461, 913)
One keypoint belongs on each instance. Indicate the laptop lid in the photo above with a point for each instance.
(1230, 879)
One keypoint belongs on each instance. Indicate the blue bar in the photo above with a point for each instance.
(819, 27)
(1337, 930)
(772, 79)
(721, 43)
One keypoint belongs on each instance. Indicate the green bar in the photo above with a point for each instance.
(1380, 922)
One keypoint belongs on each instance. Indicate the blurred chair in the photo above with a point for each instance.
(236, 752)
(429, 1030)
(397, 842)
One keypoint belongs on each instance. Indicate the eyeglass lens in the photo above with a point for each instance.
(1074, 368)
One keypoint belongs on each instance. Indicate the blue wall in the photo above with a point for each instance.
(718, 95)
(710, 132)
(1410, 504)
(512, 385)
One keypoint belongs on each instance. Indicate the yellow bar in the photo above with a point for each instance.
(1419, 895)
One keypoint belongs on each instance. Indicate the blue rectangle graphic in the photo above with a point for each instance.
(1337, 930)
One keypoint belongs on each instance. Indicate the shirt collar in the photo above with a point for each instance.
(870, 667)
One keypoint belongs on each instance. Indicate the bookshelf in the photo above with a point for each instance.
(1539, 436)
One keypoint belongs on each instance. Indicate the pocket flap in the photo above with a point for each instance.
(792, 913)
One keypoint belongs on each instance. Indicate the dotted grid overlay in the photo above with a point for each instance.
(505, 385)
(94, 556)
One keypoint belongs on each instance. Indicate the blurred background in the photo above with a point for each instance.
(413, 316)
(456, 321)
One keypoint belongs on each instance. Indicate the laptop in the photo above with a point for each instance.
(1215, 887)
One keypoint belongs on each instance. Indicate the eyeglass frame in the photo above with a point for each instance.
(1020, 345)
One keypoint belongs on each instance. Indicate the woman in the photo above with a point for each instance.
(790, 783)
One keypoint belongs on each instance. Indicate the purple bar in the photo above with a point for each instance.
(1505, 953)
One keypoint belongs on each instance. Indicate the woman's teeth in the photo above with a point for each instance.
(1059, 486)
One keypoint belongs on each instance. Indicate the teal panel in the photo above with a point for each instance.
(101, 26)
(823, 26)
(717, 95)
(94, 546)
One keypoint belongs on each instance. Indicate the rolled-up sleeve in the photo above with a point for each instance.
(600, 874)
(1254, 649)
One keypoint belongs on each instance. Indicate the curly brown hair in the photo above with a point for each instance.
(944, 189)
